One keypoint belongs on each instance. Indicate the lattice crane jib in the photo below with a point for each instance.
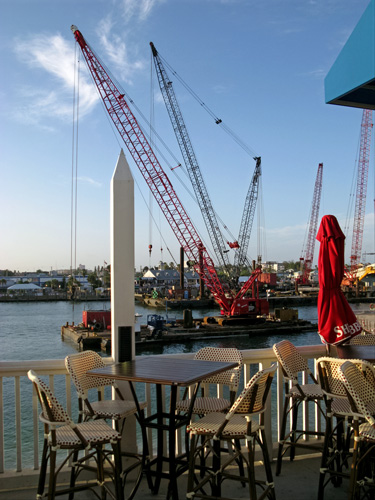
(313, 226)
(190, 159)
(240, 258)
(361, 190)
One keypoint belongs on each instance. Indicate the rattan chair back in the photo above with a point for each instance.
(231, 377)
(291, 361)
(360, 390)
(253, 397)
(79, 364)
(330, 379)
(52, 411)
(363, 339)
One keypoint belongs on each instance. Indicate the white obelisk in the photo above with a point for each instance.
(122, 262)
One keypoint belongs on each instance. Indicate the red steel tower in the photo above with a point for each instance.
(360, 202)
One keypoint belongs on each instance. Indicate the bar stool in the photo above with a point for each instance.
(91, 438)
(336, 449)
(361, 394)
(294, 365)
(116, 410)
(240, 423)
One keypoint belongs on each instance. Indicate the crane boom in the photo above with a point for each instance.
(160, 185)
(360, 202)
(313, 226)
(240, 257)
(190, 159)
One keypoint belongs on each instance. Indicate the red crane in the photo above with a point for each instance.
(362, 176)
(162, 189)
(308, 253)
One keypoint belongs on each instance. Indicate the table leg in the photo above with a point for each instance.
(145, 447)
(160, 434)
(172, 487)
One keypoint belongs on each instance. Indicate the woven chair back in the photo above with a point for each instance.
(253, 397)
(360, 391)
(329, 374)
(366, 339)
(79, 364)
(230, 377)
(290, 359)
(52, 410)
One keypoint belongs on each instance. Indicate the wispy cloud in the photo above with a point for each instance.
(54, 55)
(140, 9)
(116, 49)
(89, 180)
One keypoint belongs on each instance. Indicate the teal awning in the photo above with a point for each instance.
(351, 80)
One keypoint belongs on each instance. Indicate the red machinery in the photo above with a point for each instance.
(307, 259)
(162, 189)
(360, 202)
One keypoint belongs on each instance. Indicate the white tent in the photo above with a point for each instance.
(25, 287)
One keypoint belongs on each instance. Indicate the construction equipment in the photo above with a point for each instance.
(308, 253)
(242, 244)
(240, 257)
(360, 201)
(114, 101)
(190, 159)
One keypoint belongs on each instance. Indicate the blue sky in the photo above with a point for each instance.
(260, 66)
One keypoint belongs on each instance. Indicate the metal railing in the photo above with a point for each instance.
(20, 433)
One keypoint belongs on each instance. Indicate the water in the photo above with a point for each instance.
(33, 330)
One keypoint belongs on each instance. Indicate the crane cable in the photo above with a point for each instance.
(217, 120)
(74, 173)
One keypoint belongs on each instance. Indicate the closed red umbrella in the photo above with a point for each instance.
(336, 321)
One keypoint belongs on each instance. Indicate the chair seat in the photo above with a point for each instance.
(366, 431)
(114, 408)
(312, 391)
(205, 405)
(342, 407)
(210, 424)
(94, 431)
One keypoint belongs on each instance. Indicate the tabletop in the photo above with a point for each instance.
(348, 351)
(165, 371)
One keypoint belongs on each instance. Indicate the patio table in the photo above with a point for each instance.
(349, 351)
(174, 373)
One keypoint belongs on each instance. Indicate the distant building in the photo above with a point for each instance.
(169, 277)
(25, 289)
(273, 266)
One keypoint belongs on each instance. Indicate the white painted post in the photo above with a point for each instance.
(122, 281)
(122, 256)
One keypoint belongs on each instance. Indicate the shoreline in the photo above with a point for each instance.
(288, 301)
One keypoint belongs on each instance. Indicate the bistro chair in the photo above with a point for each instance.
(231, 378)
(293, 366)
(244, 421)
(98, 442)
(336, 448)
(363, 339)
(361, 394)
(117, 409)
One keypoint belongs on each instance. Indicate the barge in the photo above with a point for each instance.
(283, 321)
